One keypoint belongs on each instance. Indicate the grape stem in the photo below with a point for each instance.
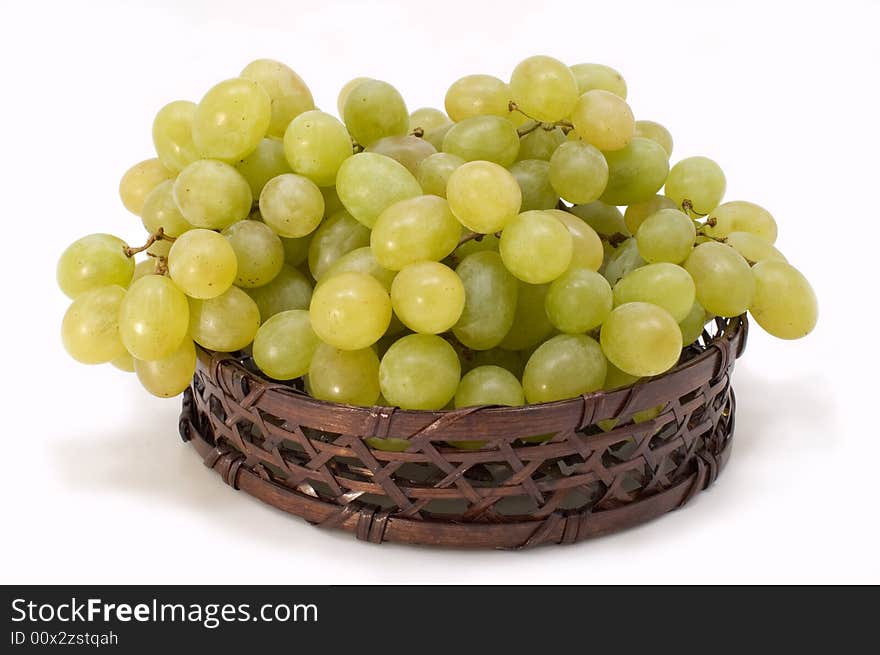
(688, 208)
(474, 236)
(418, 131)
(158, 235)
(161, 263)
(522, 130)
(613, 240)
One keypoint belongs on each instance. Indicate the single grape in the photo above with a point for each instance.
(636, 213)
(420, 371)
(666, 236)
(784, 303)
(587, 250)
(212, 194)
(290, 289)
(350, 311)
(231, 119)
(287, 91)
(368, 183)
(428, 297)
(171, 375)
(336, 236)
(139, 180)
(90, 329)
(604, 219)
(296, 251)
(94, 261)
(202, 263)
(490, 301)
(408, 150)
(292, 205)
(435, 135)
(125, 362)
(153, 318)
(598, 76)
(345, 90)
(665, 285)
(623, 260)
(725, 285)
(489, 385)
(617, 379)
(477, 95)
(544, 88)
(427, 118)
(536, 247)
(692, 325)
(741, 216)
(530, 323)
(160, 211)
(641, 339)
(315, 145)
(226, 323)
(259, 252)
(578, 301)
(603, 119)
(533, 177)
(284, 345)
(172, 135)
(752, 247)
(483, 138)
(361, 260)
(350, 377)
(540, 143)
(435, 170)
(417, 229)
(635, 172)
(483, 196)
(374, 109)
(697, 180)
(565, 366)
(578, 172)
(264, 163)
(655, 132)
(145, 267)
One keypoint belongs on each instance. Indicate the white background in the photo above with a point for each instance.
(95, 485)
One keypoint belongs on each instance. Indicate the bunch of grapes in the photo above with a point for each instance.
(383, 255)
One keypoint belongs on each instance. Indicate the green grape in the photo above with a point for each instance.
(784, 303)
(623, 260)
(264, 163)
(435, 135)
(587, 250)
(226, 323)
(125, 362)
(292, 205)
(90, 329)
(477, 95)
(146, 267)
(604, 219)
(345, 90)
(490, 301)
(231, 119)
(338, 235)
(315, 145)
(665, 285)
(540, 143)
(374, 109)
(290, 289)
(617, 379)
(160, 248)
(368, 183)
(361, 260)
(479, 244)
(598, 76)
(692, 325)
(350, 377)
(544, 88)
(332, 203)
(530, 323)
(536, 247)
(153, 318)
(725, 285)
(509, 360)
(420, 371)
(483, 138)
(655, 132)
(578, 301)
(698, 180)
(489, 385)
(603, 119)
(289, 94)
(139, 180)
(202, 263)
(258, 250)
(641, 339)
(172, 135)
(284, 345)
(212, 194)
(435, 170)
(635, 172)
(350, 311)
(752, 247)
(409, 150)
(578, 172)
(296, 251)
(533, 177)
(741, 216)
(427, 118)
(171, 375)
(565, 366)
(160, 211)
(427, 297)
(483, 196)
(94, 261)
(636, 213)
(417, 229)
(666, 236)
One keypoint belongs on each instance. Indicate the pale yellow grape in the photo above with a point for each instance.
(212, 194)
(603, 119)
(536, 247)
(435, 170)
(427, 118)
(225, 323)
(350, 377)
(368, 183)
(231, 119)
(361, 260)
(435, 135)
(94, 261)
(636, 213)
(350, 311)
(587, 249)
(296, 251)
(540, 143)
(90, 328)
(289, 94)
(533, 177)
(655, 132)
(641, 339)
(315, 145)
(409, 150)
(345, 90)
(417, 229)
(692, 325)
(420, 371)
(563, 367)
(489, 385)
(665, 285)
(264, 163)
(290, 289)
(483, 196)
(171, 375)
(725, 285)
(530, 323)
(635, 172)
(125, 362)
(483, 138)
(202, 263)
(145, 267)
(698, 180)
(578, 301)
(617, 379)
(427, 297)
(598, 76)
(477, 244)
(604, 219)
(153, 318)
(752, 247)
(292, 205)
(259, 252)
(284, 345)
(139, 180)
(172, 135)
(374, 109)
(544, 88)
(578, 172)
(490, 301)
(160, 211)
(477, 95)
(741, 216)
(622, 260)
(784, 303)
(336, 236)
(666, 236)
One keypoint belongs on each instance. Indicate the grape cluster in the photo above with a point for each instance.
(382, 256)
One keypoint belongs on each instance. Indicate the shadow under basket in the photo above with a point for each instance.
(551, 473)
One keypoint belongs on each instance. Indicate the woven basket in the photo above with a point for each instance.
(309, 458)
